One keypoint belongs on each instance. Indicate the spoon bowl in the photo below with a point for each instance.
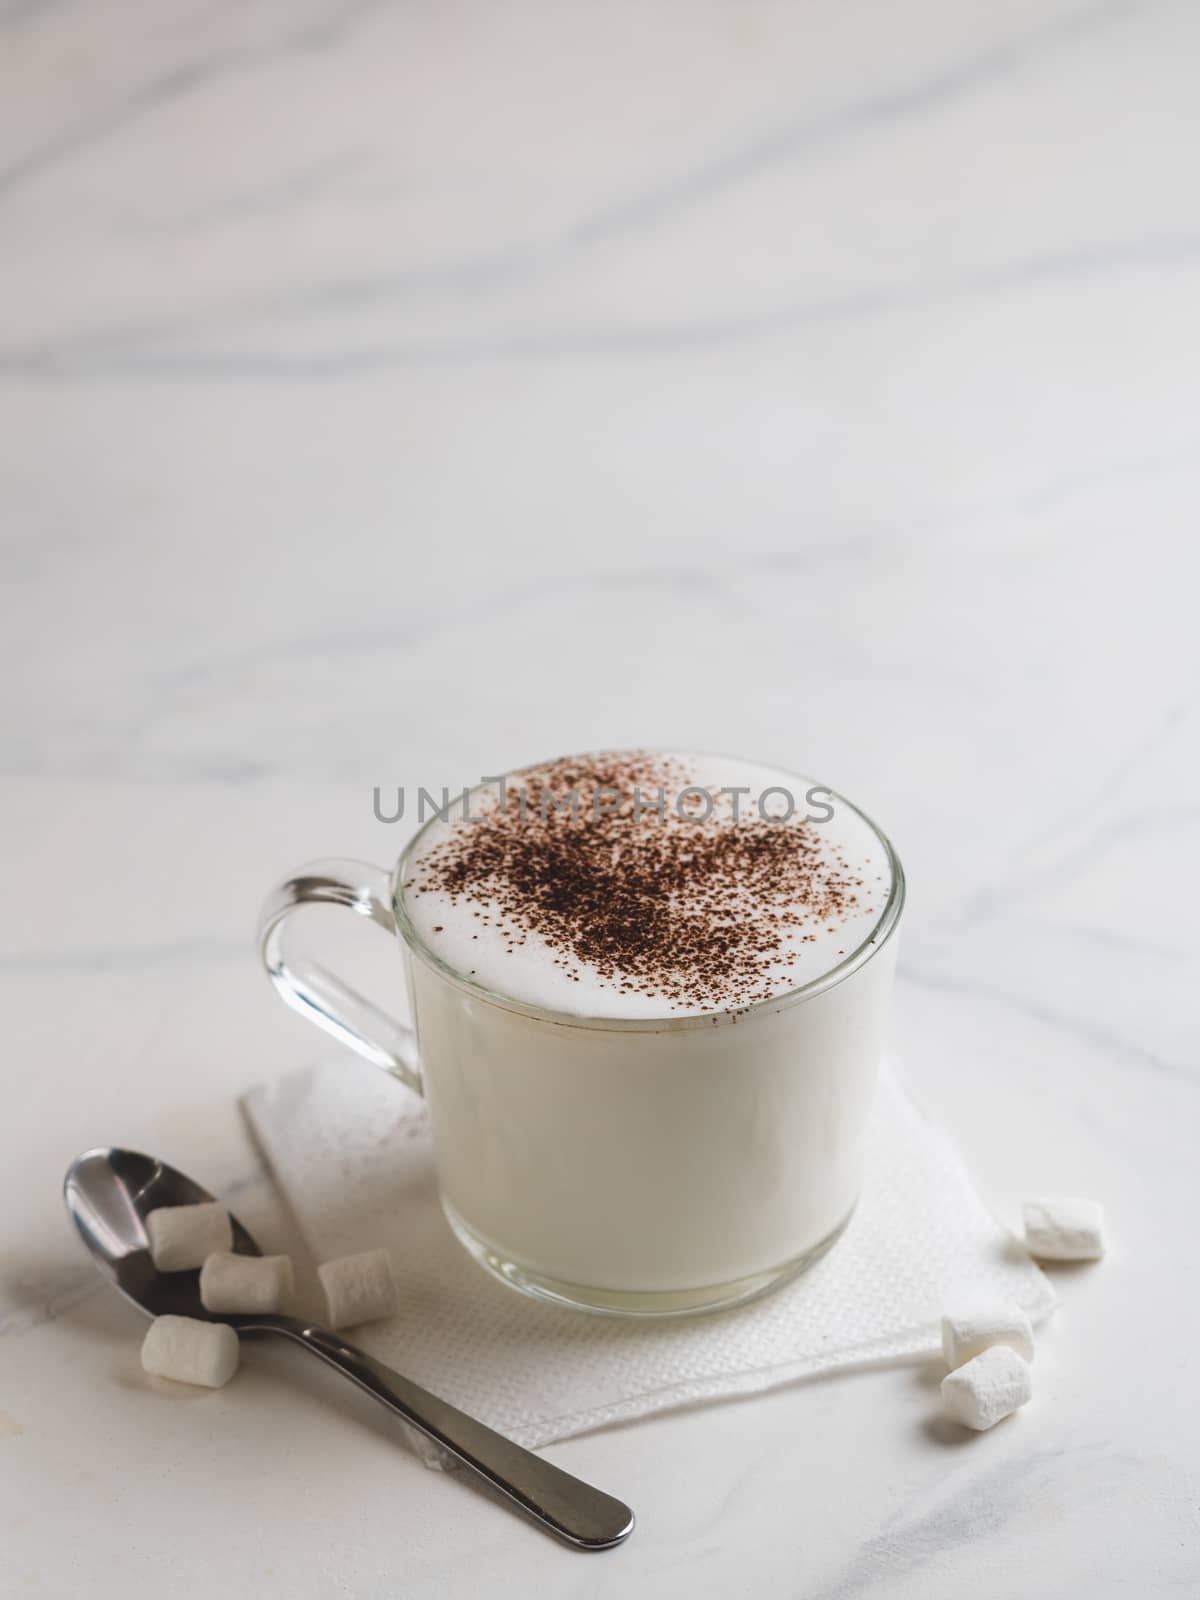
(109, 1194)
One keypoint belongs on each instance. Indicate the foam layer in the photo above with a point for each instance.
(636, 884)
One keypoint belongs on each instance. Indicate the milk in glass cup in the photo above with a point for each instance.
(648, 994)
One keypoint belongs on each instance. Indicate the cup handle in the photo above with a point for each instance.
(317, 993)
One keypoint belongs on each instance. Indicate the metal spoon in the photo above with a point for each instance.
(109, 1192)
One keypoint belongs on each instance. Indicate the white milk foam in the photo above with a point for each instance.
(532, 971)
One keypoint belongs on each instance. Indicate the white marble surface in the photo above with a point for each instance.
(390, 392)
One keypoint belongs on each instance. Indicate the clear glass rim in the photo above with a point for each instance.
(881, 931)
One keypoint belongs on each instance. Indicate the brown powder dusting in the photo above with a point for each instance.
(695, 912)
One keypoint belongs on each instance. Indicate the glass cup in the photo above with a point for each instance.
(650, 1166)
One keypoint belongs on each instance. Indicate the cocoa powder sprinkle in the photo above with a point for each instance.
(698, 913)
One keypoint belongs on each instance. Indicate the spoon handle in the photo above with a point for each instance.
(581, 1515)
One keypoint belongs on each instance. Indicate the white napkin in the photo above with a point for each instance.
(350, 1150)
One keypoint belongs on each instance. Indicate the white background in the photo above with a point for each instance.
(395, 393)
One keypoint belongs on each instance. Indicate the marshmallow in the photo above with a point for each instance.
(358, 1288)
(231, 1282)
(989, 1387)
(191, 1351)
(1062, 1229)
(968, 1333)
(182, 1236)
